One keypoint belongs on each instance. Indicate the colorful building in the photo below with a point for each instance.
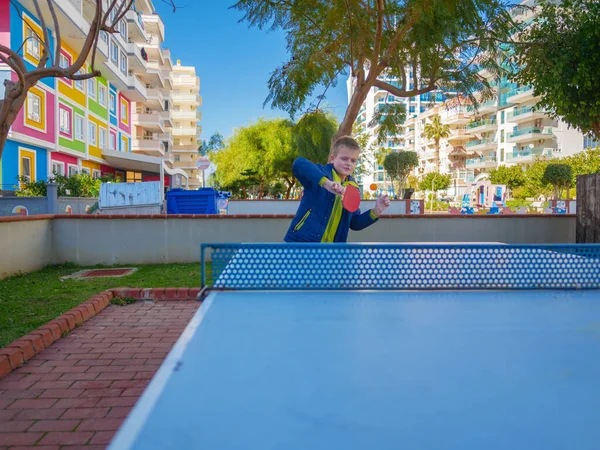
(91, 126)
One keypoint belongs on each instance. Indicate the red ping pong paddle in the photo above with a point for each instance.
(351, 199)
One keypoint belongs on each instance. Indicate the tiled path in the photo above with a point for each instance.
(77, 392)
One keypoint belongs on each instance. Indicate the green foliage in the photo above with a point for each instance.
(560, 61)
(78, 185)
(122, 301)
(399, 164)
(368, 40)
(559, 176)
(214, 144)
(311, 136)
(387, 120)
(511, 176)
(440, 182)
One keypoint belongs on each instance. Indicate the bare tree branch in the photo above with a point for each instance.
(402, 92)
(14, 57)
(14, 67)
(46, 52)
(57, 31)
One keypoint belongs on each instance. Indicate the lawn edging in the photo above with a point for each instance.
(21, 350)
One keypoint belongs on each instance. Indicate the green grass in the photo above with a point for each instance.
(29, 301)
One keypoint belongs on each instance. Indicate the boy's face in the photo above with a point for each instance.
(345, 161)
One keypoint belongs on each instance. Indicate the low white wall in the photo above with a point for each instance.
(132, 240)
(291, 206)
(25, 245)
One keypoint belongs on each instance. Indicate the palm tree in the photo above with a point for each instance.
(436, 130)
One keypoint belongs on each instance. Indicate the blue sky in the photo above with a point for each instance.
(234, 63)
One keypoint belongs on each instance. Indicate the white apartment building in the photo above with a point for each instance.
(186, 130)
(404, 139)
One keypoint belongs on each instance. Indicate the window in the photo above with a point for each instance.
(96, 174)
(112, 142)
(501, 116)
(114, 52)
(102, 94)
(33, 43)
(85, 170)
(92, 88)
(104, 36)
(102, 134)
(177, 158)
(502, 137)
(34, 105)
(73, 170)
(58, 168)
(123, 62)
(26, 168)
(64, 116)
(92, 133)
(64, 61)
(79, 127)
(113, 103)
(79, 83)
(124, 112)
(134, 177)
(123, 29)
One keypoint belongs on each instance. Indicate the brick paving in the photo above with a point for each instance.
(77, 392)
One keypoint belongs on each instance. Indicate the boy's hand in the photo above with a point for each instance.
(334, 188)
(381, 205)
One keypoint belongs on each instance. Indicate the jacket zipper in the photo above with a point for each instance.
(299, 224)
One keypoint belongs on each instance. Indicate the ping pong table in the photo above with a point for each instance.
(383, 346)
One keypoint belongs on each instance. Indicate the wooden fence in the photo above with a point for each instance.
(588, 209)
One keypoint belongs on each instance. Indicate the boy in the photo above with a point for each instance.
(321, 216)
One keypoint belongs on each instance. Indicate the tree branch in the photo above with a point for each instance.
(14, 67)
(57, 31)
(378, 32)
(46, 52)
(14, 57)
(402, 92)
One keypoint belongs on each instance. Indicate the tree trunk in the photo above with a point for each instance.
(291, 183)
(358, 97)
(437, 155)
(9, 109)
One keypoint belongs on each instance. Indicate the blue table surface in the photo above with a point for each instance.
(378, 370)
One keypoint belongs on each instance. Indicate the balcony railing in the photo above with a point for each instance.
(529, 154)
(481, 142)
(520, 90)
(524, 110)
(530, 130)
(481, 123)
(483, 161)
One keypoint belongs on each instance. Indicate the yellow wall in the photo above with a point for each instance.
(94, 150)
(67, 87)
(31, 123)
(90, 165)
(27, 154)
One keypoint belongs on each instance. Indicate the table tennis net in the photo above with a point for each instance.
(275, 266)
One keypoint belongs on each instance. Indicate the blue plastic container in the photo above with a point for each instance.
(202, 201)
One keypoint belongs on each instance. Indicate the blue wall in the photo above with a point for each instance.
(10, 163)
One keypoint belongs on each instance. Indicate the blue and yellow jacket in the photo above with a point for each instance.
(316, 215)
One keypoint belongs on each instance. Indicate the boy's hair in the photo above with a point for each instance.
(344, 141)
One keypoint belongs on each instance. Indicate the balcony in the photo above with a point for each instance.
(192, 115)
(135, 27)
(525, 114)
(530, 134)
(520, 156)
(184, 131)
(485, 107)
(168, 138)
(148, 145)
(429, 154)
(135, 90)
(481, 126)
(186, 98)
(190, 165)
(137, 64)
(185, 148)
(154, 24)
(520, 95)
(460, 134)
(154, 74)
(456, 119)
(481, 145)
(155, 98)
(166, 118)
(150, 120)
(482, 163)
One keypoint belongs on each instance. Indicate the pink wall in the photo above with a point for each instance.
(49, 135)
(66, 159)
(5, 23)
(106, 169)
(125, 128)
